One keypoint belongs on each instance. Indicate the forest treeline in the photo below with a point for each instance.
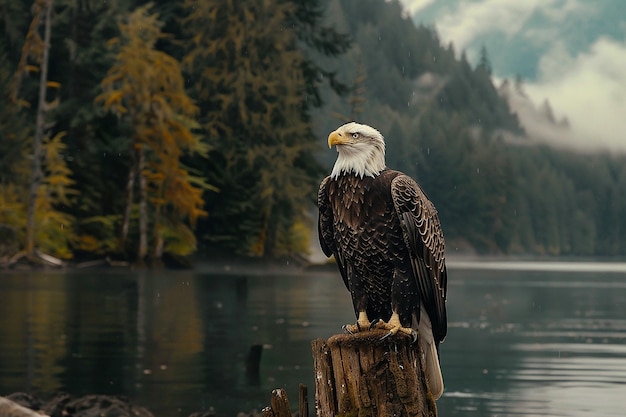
(132, 130)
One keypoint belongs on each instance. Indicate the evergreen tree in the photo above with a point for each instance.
(14, 141)
(484, 64)
(13, 128)
(252, 83)
(97, 144)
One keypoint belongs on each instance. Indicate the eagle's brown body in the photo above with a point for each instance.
(367, 223)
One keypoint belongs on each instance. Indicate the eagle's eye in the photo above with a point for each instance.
(355, 136)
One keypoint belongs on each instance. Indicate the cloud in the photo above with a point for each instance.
(590, 88)
(414, 6)
(540, 122)
(463, 21)
(470, 19)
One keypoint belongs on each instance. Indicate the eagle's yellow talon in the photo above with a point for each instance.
(363, 323)
(394, 327)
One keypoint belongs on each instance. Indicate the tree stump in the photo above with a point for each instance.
(279, 405)
(361, 375)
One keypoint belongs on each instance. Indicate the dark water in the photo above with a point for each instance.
(522, 341)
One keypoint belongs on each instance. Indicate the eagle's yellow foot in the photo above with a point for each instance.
(394, 327)
(361, 324)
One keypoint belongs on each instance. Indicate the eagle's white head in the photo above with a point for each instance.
(361, 150)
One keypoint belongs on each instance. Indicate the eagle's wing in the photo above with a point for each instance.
(423, 236)
(326, 230)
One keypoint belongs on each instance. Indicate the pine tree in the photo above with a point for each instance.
(14, 129)
(484, 64)
(249, 80)
(14, 174)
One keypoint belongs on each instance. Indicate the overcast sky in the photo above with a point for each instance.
(572, 52)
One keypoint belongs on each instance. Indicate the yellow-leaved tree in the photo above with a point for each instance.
(34, 205)
(145, 89)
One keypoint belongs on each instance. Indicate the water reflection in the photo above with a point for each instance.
(521, 342)
(548, 338)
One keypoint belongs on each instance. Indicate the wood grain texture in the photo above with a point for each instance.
(360, 375)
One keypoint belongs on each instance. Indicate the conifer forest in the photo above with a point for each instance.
(136, 130)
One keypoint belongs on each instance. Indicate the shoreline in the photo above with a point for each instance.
(301, 264)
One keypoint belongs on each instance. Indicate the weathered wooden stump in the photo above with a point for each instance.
(279, 405)
(360, 375)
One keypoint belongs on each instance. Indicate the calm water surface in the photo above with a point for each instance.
(524, 339)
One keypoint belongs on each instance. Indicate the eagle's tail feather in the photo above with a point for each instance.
(434, 378)
(433, 371)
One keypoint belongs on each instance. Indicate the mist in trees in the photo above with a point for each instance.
(198, 127)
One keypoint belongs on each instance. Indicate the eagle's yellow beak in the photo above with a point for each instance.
(336, 138)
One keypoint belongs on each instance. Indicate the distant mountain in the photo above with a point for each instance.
(405, 68)
(571, 52)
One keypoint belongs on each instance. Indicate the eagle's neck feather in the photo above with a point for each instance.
(358, 162)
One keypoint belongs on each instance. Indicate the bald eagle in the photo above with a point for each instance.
(387, 241)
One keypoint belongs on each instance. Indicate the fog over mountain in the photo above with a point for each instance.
(570, 52)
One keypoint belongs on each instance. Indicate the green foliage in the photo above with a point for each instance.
(257, 71)
(13, 165)
(98, 235)
(248, 74)
(12, 219)
(13, 130)
(179, 239)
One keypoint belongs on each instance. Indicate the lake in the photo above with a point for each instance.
(524, 339)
